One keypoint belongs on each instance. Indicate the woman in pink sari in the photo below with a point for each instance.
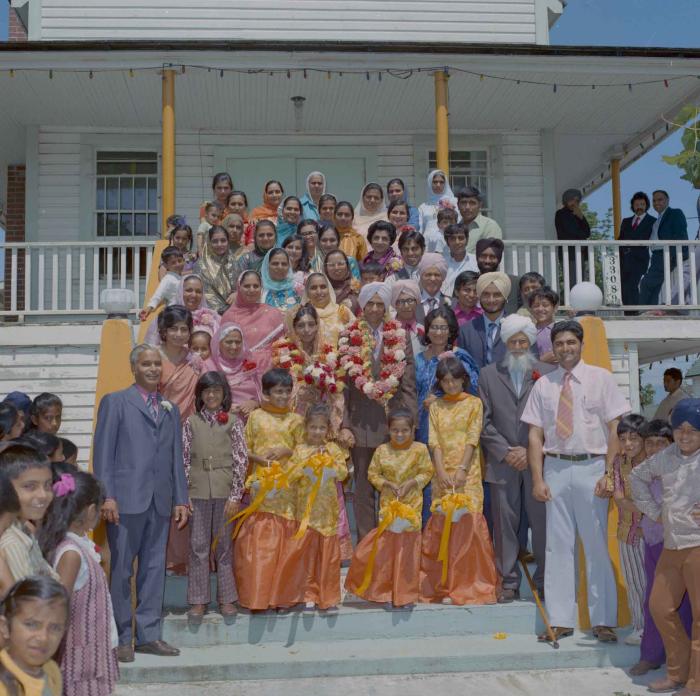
(230, 356)
(260, 324)
(181, 370)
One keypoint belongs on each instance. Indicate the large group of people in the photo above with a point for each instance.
(326, 385)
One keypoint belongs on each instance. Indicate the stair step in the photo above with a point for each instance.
(354, 620)
(373, 656)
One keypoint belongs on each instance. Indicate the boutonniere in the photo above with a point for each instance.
(166, 405)
(249, 365)
(222, 417)
(535, 375)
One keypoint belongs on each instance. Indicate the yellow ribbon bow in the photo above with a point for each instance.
(317, 463)
(269, 477)
(388, 514)
(447, 505)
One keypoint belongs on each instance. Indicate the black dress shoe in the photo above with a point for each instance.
(158, 647)
(125, 653)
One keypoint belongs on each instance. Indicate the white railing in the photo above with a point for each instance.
(565, 263)
(66, 278)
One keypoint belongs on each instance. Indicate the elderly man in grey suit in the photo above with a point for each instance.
(137, 455)
(504, 388)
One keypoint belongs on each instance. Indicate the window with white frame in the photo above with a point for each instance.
(126, 194)
(468, 168)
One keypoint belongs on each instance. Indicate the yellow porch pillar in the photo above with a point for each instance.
(617, 210)
(168, 173)
(442, 126)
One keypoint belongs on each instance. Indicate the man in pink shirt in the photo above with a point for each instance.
(573, 414)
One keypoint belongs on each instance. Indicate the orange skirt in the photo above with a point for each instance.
(396, 568)
(471, 574)
(257, 551)
(309, 571)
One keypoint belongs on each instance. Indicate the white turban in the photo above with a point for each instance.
(367, 292)
(500, 280)
(517, 323)
(432, 260)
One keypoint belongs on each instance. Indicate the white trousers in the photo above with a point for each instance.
(576, 510)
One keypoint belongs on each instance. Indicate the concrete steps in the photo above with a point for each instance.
(374, 656)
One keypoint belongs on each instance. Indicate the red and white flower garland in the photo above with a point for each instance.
(323, 373)
(356, 346)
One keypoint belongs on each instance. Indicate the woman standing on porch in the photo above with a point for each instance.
(278, 281)
(260, 323)
(315, 188)
(216, 268)
(370, 208)
(272, 197)
(332, 317)
(395, 192)
(234, 224)
(264, 239)
(339, 272)
(437, 189)
(221, 186)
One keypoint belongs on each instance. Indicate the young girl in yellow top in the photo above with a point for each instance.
(386, 563)
(311, 566)
(34, 621)
(465, 573)
(272, 433)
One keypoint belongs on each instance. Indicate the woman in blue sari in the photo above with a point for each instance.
(278, 281)
(289, 218)
(441, 331)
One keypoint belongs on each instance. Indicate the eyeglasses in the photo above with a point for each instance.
(406, 303)
(439, 329)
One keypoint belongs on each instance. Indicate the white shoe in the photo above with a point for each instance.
(634, 638)
(309, 608)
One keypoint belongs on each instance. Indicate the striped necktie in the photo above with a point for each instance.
(153, 406)
(565, 409)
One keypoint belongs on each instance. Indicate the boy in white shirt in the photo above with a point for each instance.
(166, 293)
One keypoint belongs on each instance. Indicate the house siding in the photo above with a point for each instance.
(60, 215)
(496, 21)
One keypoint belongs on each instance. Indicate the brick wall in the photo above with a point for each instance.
(14, 229)
(16, 32)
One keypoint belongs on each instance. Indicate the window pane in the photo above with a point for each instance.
(152, 194)
(140, 193)
(146, 168)
(126, 194)
(125, 229)
(152, 225)
(140, 224)
(100, 225)
(112, 225)
(112, 193)
(100, 190)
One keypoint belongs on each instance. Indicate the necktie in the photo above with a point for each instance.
(432, 304)
(153, 406)
(565, 409)
(490, 340)
(635, 223)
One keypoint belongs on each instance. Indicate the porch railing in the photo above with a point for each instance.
(66, 278)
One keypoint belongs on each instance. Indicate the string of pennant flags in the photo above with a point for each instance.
(369, 75)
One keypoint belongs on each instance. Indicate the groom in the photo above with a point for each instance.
(137, 456)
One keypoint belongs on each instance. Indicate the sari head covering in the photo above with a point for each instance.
(363, 217)
(203, 304)
(371, 289)
(240, 372)
(216, 273)
(287, 229)
(267, 211)
(432, 198)
(432, 260)
(322, 175)
(333, 317)
(343, 289)
(261, 324)
(278, 293)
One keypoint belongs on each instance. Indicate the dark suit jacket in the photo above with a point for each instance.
(472, 337)
(366, 418)
(674, 226)
(502, 410)
(569, 226)
(636, 256)
(136, 459)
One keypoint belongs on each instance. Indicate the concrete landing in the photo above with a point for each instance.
(370, 656)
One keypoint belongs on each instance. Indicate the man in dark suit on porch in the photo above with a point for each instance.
(634, 260)
(670, 225)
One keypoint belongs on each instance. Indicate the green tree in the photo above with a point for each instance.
(688, 160)
(646, 395)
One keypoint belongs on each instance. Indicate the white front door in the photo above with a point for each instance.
(347, 169)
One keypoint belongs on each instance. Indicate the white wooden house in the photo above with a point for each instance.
(83, 106)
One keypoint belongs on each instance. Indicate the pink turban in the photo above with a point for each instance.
(409, 287)
(432, 260)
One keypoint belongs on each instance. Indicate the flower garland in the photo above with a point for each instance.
(324, 372)
(355, 348)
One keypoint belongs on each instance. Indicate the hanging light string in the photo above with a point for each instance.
(329, 73)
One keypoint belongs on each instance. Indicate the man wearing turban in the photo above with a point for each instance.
(571, 225)
(504, 388)
(432, 271)
(489, 254)
(481, 337)
(364, 420)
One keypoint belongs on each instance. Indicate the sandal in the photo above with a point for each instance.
(664, 686)
(604, 634)
(558, 632)
(641, 668)
(196, 614)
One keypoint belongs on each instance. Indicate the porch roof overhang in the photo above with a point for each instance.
(583, 127)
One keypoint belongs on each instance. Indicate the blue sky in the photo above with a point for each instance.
(4, 6)
(670, 23)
